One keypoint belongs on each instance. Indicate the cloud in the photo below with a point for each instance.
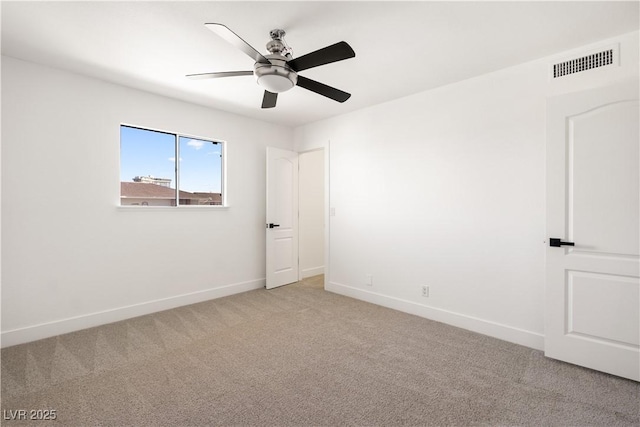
(211, 153)
(197, 144)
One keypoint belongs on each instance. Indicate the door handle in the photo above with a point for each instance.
(272, 225)
(556, 243)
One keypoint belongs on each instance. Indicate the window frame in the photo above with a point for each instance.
(176, 171)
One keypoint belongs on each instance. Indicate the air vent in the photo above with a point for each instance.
(584, 63)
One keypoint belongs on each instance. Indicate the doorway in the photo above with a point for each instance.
(311, 210)
(286, 262)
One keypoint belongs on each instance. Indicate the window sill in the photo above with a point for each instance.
(173, 208)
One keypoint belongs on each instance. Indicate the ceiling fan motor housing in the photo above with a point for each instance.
(275, 77)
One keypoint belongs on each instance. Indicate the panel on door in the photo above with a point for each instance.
(282, 217)
(593, 201)
(602, 179)
(603, 307)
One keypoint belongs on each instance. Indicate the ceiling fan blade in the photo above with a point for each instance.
(269, 99)
(326, 55)
(218, 75)
(323, 89)
(231, 37)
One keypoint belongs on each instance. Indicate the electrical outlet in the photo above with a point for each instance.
(369, 280)
(425, 291)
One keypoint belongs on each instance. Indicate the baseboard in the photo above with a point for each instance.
(310, 272)
(72, 324)
(486, 327)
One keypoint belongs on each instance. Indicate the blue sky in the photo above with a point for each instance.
(144, 152)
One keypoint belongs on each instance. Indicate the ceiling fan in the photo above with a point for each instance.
(278, 71)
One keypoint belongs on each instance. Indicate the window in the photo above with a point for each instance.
(168, 169)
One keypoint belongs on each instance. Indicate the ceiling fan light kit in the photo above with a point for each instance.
(277, 72)
(275, 77)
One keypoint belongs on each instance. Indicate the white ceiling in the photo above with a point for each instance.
(401, 47)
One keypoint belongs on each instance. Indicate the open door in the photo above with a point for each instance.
(282, 217)
(592, 306)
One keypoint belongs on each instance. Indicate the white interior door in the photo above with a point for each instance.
(592, 314)
(282, 217)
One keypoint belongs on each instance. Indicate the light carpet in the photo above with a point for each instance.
(301, 356)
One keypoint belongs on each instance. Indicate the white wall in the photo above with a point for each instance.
(311, 213)
(446, 188)
(71, 257)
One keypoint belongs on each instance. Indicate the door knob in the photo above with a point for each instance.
(272, 225)
(556, 243)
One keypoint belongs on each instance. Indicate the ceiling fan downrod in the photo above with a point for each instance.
(278, 45)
